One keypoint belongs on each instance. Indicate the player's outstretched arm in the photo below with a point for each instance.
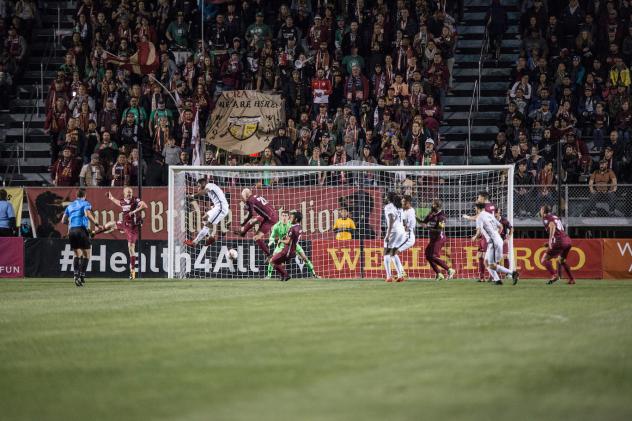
(113, 199)
(551, 228)
(470, 218)
(91, 218)
(477, 235)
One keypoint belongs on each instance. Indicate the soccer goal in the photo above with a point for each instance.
(343, 225)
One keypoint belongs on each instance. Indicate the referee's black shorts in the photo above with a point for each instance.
(79, 238)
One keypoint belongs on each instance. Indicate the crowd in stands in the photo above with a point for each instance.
(361, 80)
(570, 88)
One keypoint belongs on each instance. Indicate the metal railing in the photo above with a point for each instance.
(582, 206)
(476, 96)
(18, 150)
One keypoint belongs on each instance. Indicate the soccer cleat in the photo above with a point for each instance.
(515, 275)
(571, 282)
(553, 280)
(451, 273)
(210, 241)
(189, 243)
(483, 280)
(440, 277)
(498, 282)
(132, 275)
(400, 279)
(316, 275)
(77, 280)
(389, 279)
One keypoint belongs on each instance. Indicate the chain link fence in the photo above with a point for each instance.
(581, 204)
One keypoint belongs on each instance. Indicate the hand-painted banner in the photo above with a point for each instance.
(244, 122)
(617, 259)
(11, 257)
(349, 259)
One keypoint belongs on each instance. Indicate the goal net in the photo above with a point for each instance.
(334, 246)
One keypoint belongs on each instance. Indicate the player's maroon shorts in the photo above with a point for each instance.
(281, 257)
(560, 248)
(131, 231)
(482, 245)
(433, 249)
(265, 226)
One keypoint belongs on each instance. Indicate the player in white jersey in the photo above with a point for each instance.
(213, 216)
(409, 218)
(395, 236)
(489, 227)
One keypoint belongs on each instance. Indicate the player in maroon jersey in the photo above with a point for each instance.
(261, 212)
(559, 244)
(130, 224)
(435, 222)
(483, 197)
(506, 233)
(289, 251)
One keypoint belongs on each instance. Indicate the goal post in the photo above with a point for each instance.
(335, 247)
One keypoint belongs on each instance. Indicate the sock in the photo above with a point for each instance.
(269, 270)
(76, 266)
(398, 265)
(263, 246)
(502, 269)
(494, 274)
(132, 263)
(387, 265)
(481, 268)
(84, 265)
(210, 240)
(567, 268)
(279, 268)
(441, 263)
(203, 233)
(310, 266)
(549, 267)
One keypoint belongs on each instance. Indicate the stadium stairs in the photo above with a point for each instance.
(495, 81)
(27, 107)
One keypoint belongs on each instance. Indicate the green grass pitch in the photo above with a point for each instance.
(315, 350)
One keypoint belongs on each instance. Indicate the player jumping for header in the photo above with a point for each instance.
(483, 197)
(130, 224)
(214, 216)
(289, 250)
(395, 236)
(435, 222)
(488, 226)
(278, 233)
(559, 244)
(261, 212)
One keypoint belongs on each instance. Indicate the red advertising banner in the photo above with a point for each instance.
(47, 205)
(12, 257)
(617, 258)
(349, 260)
(318, 206)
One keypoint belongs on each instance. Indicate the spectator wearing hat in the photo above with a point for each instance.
(258, 32)
(603, 186)
(92, 174)
(317, 34)
(356, 89)
(178, 32)
(429, 156)
(282, 148)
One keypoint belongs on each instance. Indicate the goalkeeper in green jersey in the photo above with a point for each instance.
(279, 231)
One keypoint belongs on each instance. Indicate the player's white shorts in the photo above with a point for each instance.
(395, 239)
(216, 214)
(494, 253)
(409, 241)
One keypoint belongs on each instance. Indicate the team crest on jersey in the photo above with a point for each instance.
(242, 128)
